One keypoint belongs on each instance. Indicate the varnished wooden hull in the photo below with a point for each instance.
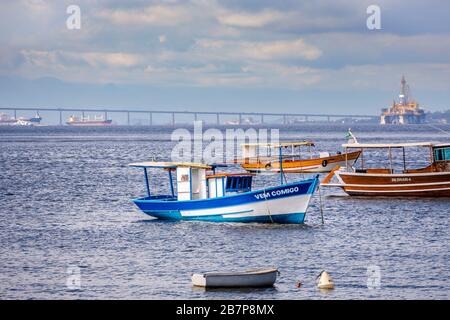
(316, 165)
(431, 184)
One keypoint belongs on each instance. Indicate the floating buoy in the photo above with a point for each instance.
(325, 281)
(298, 284)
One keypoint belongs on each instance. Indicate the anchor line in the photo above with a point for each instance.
(284, 176)
(439, 129)
(320, 204)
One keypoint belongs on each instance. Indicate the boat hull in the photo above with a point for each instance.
(431, 184)
(256, 278)
(282, 204)
(316, 165)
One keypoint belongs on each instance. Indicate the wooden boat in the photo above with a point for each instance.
(224, 197)
(430, 181)
(296, 162)
(250, 278)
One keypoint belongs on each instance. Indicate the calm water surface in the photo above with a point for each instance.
(65, 203)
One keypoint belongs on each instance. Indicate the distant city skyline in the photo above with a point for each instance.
(254, 56)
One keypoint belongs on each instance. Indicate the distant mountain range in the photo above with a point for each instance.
(439, 116)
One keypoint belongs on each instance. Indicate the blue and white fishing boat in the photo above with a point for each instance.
(223, 197)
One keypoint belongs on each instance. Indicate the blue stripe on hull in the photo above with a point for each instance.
(302, 187)
(276, 218)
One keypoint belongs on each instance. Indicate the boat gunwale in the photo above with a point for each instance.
(288, 161)
(240, 273)
(352, 185)
(349, 191)
(362, 174)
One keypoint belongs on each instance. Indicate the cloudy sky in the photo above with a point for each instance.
(256, 55)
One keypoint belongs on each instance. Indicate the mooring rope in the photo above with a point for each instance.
(439, 129)
(267, 206)
(320, 204)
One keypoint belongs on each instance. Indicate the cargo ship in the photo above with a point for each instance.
(88, 122)
(405, 111)
(22, 121)
(6, 120)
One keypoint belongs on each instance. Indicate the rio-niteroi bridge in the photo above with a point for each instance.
(148, 115)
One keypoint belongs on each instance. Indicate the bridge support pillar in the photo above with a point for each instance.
(262, 118)
(240, 118)
(284, 119)
(217, 118)
(15, 114)
(195, 116)
(60, 117)
(150, 119)
(328, 119)
(128, 118)
(173, 119)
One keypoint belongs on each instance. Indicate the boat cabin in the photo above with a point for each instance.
(441, 152)
(250, 151)
(224, 183)
(196, 181)
(439, 157)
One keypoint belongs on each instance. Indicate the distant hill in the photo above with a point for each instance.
(439, 116)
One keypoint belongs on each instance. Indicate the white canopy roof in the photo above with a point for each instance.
(388, 145)
(442, 145)
(155, 164)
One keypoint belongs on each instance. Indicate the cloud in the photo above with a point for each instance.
(263, 50)
(250, 20)
(63, 59)
(264, 44)
(112, 59)
(156, 15)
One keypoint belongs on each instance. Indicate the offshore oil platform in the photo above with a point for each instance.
(405, 111)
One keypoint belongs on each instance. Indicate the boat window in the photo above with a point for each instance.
(239, 183)
(442, 154)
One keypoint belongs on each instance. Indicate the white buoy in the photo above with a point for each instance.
(325, 281)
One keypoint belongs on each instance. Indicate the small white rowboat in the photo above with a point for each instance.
(250, 278)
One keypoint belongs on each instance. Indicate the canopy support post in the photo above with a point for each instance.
(171, 183)
(346, 159)
(362, 159)
(404, 160)
(146, 182)
(431, 155)
(281, 163)
(390, 159)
